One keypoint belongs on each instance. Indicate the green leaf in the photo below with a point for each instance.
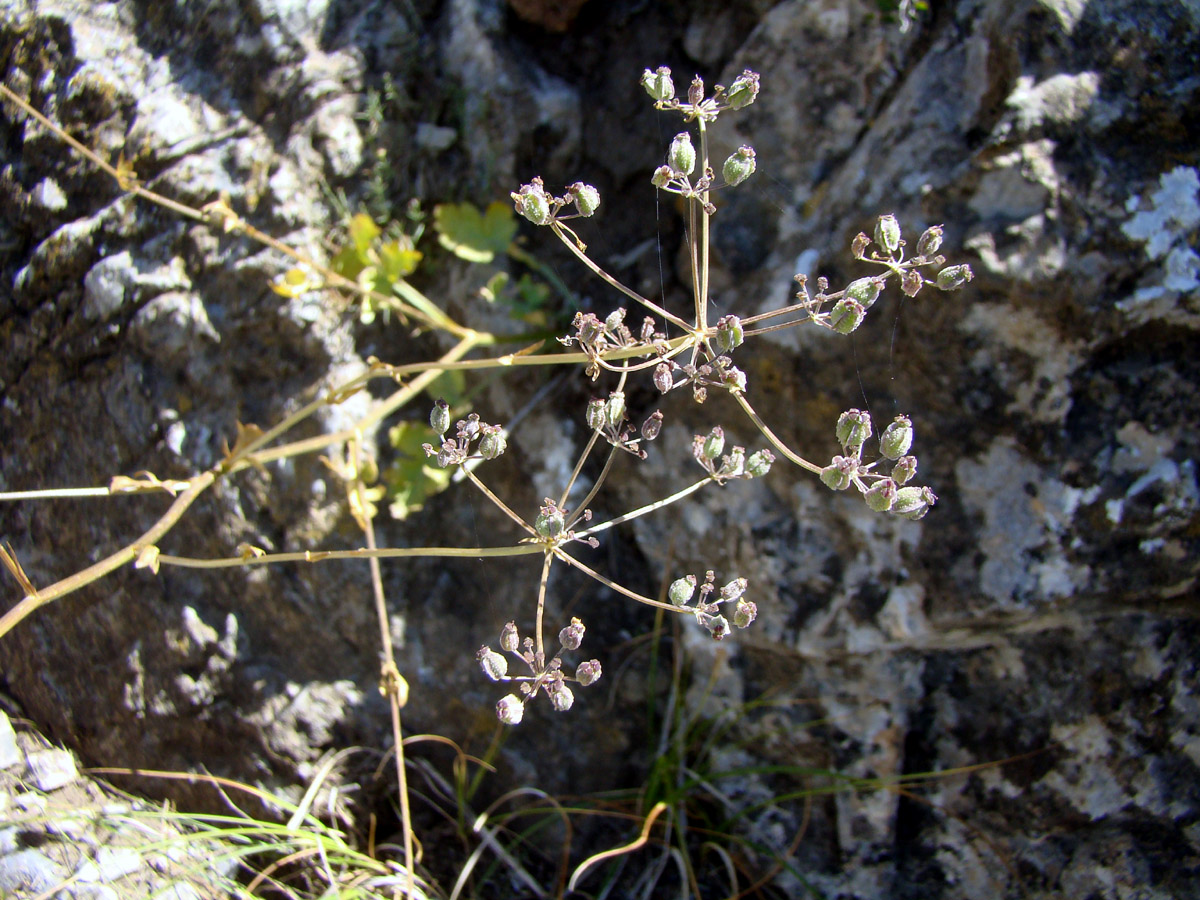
(412, 479)
(472, 235)
(362, 232)
(398, 260)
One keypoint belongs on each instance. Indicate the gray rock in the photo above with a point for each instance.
(10, 755)
(52, 769)
(28, 870)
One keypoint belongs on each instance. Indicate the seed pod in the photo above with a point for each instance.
(739, 166)
(663, 379)
(586, 198)
(549, 523)
(729, 333)
(653, 425)
(493, 664)
(887, 233)
(759, 464)
(904, 470)
(561, 697)
(853, 428)
(440, 417)
(846, 315)
(681, 157)
(864, 291)
(839, 474)
(595, 414)
(493, 443)
(718, 626)
(658, 84)
(509, 639)
(614, 320)
(881, 495)
(896, 438)
(911, 282)
(532, 202)
(682, 590)
(744, 613)
(662, 177)
(510, 710)
(588, 672)
(733, 590)
(952, 278)
(614, 409)
(572, 635)
(743, 90)
(930, 241)
(696, 91)
(913, 502)
(714, 443)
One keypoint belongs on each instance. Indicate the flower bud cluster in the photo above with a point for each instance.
(546, 676)
(882, 493)
(707, 608)
(709, 451)
(490, 440)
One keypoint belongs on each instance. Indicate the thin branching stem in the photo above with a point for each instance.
(608, 582)
(776, 442)
(643, 510)
(627, 291)
(312, 556)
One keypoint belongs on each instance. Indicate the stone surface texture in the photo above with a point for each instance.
(1033, 639)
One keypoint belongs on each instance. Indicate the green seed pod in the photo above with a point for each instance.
(846, 315)
(509, 639)
(853, 428)
(743, 90)
(658, 84)
(595, 414)
(881, 495)
(729, 333)
(904, 470)
(493, 443)
(532, 202)
(549, 523)
(864, 291)
(586, 198)
(896, 438)
(887, 234)
(440, 417)
(510, 709)
(744, 613)
(735, 463)
(588, 672)
(913, 502)
(930, 241)
(682, 590)
(714, 444)
(759, 464)
(839, 474)
(739, 166)
(615, 319)
(681, 157)
(493, 664)
(614, 409)
(952, 278)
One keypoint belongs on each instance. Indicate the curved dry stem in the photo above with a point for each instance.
(609, 583)
(627, 291)
(770, 436)
(643, 510)
(127, 554)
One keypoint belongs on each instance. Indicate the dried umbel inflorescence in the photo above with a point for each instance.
(882, 492)
(546, 676)
(707, 607)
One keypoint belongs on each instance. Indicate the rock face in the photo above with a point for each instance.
(1040, 622)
